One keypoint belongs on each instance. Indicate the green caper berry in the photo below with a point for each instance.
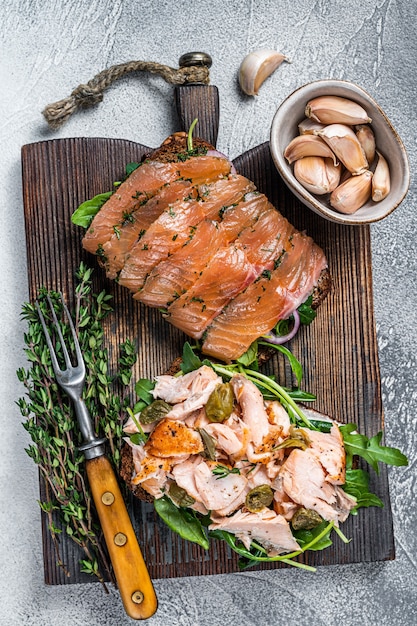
(258, 498)
(155, 411)
(220, 403)
(305, 519)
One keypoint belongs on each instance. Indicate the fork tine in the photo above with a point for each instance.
(59, 333)
(54, 360)
(78, 354)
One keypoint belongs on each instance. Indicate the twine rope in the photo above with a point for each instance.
(91, 93)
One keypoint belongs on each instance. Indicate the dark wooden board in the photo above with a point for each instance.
(338, 351)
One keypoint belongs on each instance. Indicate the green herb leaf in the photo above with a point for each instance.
(306, 312)
(315, 538)
(143, 388)
(131, 167)
(182, 521)
(190, 361)
(357, 485)
(83, 216)
(250, 356)
(369, 449)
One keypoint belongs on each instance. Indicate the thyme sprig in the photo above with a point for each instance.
(50, 421)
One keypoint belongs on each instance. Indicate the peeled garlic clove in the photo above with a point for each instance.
(317, 174)
(381, 181)
(344, 143)
(336, 110)
(309, 127)
(352, 194)
(307, 145)
(256, 67)
(366, 138)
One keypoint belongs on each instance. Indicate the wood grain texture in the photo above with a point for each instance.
(338, 351)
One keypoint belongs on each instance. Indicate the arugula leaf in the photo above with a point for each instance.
(190, 361)
(315, 538)
(131, 167)
(83, 216)
(182, 521)
(306, 312)
(294, 362)
(357, 485)
(250, 356)
(143, 388)
(369, 449)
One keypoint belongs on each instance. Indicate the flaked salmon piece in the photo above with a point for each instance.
(330, 451)
(227, 274)
(270, 529)
(223, 193)
(188, 393)
(171, 438)
(165, 235)
(266, 239)
(304, 481)
(226, 438)
(283, 505)
(135, 224)
(222, 495)
(175, 389)
(274, 296)
(252, 404)
(142, 184)
(256, 474)
(278, 416)
(170, 278)
(242, 215)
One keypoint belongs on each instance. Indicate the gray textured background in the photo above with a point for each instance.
(49, 47)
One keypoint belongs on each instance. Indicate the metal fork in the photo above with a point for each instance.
(132, 576)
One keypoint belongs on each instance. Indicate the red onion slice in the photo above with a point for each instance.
(277, 340)
(216, 153)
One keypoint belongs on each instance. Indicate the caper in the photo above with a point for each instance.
(258, 498)
(155, 411)
(209, 443)
(220, 403)
(305, 519)
(179, 496)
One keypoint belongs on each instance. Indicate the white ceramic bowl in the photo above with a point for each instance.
(285, 127)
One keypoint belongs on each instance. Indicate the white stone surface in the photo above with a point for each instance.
(46, 49)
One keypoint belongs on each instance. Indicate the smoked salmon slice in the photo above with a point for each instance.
(133, 228)
(142, 184)
(226, 275)
(274, 296)
(170, 278)
(165, 235)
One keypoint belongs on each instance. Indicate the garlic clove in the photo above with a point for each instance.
(317, 174)
(307, 145)
(309, 127)
(352, 194)
(381, 180)
(336, 110)
(344, 143)
(256, 67)
(366, 138)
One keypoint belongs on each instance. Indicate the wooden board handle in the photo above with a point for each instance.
(201, 101)
(135, 585)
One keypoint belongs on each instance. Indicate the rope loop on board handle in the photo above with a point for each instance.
(194, 69)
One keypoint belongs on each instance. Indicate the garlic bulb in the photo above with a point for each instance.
(366, 138)
(381, 181)
(317, 174)
(352, 194)
(336, 110)
(307, 145)
(256, 67)
(344, 143)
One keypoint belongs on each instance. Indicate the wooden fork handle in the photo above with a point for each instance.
(135, 585)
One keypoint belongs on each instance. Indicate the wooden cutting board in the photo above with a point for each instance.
(338, 351)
